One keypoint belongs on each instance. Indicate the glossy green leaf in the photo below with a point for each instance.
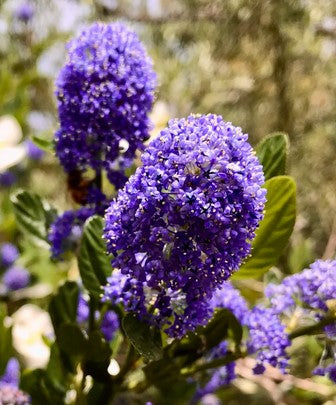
(94, 264)
(63, 306)
(272, 153)
(274, 230)
(33, 215)
(145, 338)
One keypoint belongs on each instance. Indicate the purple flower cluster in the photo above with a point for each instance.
(221, 376)
(12, 373)
(309, 291)
(66, 230)
(25, 11)
(313, 288)
(10, 395)
(9, 391)
(308, 294)
(230, 298)
(15, 277)
(105, 92)
(33, 151)
(267, 338)
(192, 210)
(109, 324)
(8, 254)
(7, 178)
(329, 371)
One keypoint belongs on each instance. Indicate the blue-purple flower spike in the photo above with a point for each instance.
(184, 221)
(267, 339)
(105, 92)
(109, 324)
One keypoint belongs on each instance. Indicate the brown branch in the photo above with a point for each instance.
(330, 249)
(267, 380)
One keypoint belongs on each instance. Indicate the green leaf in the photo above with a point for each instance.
(165, 375)
(94, 264)
(223, 324)
(55, 370)
(34, 216)
(274, 230)
(63, 306)
(33, 382)
(145, 338)
(44, 144)
(235, 330)
(63, 310)
(71, 340)
(97, 357)
(162, 372)
(272, 153)
(38, 384)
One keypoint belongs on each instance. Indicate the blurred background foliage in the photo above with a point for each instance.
(265, 65)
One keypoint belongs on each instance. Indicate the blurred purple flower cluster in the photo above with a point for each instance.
(15, 276)
(10, 394)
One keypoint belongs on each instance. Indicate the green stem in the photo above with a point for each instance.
(115, 385)
(98, 179)
(80, 396)
(103, 312)
(222, 361)
(312, 329)
(307, 330)
(230, 357)
(131, 357)
(92, 320)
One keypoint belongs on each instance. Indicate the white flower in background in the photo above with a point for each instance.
(30, 324)
(11, 151)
